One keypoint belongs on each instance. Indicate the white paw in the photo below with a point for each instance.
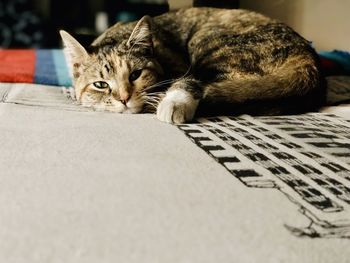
(178, 106)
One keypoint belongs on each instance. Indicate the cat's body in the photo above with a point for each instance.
(224, 61)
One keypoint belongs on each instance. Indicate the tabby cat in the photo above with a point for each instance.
(197, 61)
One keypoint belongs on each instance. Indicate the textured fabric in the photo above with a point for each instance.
(306, 157)
(17, 65)
(40, 66)
(84, 186)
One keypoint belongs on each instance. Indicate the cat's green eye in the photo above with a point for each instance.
(101, 84)
(135, 75)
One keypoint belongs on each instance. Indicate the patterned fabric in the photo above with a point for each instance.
(41, 66)
(306, 157)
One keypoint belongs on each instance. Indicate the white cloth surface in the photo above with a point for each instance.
(83, 186)
(342, 110)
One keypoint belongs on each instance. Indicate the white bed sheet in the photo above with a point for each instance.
(84, 186)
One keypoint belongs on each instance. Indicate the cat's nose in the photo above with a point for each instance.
(124, 97)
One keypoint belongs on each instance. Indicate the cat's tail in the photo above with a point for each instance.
(298, 77)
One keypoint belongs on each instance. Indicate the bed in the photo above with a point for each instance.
(84, 186)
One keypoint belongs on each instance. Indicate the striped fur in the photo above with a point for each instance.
(234, 59)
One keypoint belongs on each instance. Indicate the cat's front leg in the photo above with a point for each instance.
(180, 102)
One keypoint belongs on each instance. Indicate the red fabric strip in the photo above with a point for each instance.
(17, 65)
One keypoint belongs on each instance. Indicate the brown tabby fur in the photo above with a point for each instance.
(230, 61)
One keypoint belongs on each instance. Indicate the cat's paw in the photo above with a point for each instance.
(178, 106)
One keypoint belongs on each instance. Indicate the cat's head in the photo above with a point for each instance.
(115, 77)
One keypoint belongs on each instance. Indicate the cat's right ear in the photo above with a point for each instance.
(76, 51)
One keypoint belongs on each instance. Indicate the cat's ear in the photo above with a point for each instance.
(75, 50)
(142, 33)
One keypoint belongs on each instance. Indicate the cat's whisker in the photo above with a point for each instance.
(155, 95)
(152, 95)
(157, 99)
(164, 82)
(152, 106)
(169, 81)
(152, 100)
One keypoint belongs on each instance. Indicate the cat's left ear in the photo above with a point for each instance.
(142, 33)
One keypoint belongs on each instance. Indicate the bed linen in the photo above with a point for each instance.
(40, 66)
(84, 186)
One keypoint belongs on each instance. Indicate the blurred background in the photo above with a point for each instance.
(35, 23)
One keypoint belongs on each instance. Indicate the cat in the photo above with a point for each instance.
(197, 61)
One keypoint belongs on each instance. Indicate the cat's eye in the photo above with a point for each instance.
(101, 84)
(135, 75)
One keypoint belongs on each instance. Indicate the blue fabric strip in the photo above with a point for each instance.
(62, 72)
(339, 56)
(45, 72)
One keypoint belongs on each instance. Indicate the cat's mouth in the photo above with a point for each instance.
(132, 108)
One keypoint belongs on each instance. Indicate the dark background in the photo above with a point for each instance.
(35, 23)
